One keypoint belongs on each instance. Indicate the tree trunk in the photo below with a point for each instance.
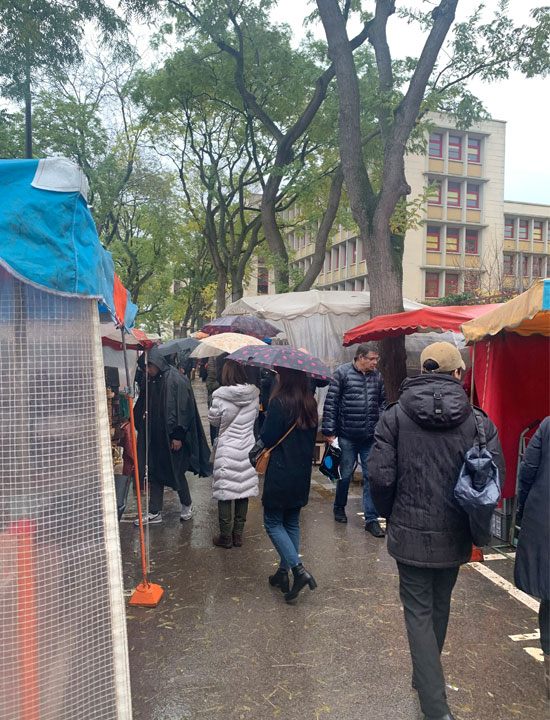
(272, 233)
(220, 291)
(28, 117)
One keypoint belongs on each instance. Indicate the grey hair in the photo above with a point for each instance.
(366, 348)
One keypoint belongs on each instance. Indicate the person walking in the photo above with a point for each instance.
(354, 401)
(532, 567)
(233, 412)
(418, 451)
(291, 421)
(174, 441)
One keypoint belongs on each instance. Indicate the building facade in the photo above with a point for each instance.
(470, 237)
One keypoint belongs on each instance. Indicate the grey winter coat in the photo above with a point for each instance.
(532, 567)
(414, 465)
(353, 404)
(234, 410)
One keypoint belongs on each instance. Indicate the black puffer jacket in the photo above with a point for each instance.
(414, 465)
(354, 403)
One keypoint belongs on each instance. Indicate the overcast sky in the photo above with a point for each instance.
(523, 104)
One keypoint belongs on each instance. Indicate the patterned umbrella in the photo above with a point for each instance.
(245, 324)
(284, 356)
(224, 343)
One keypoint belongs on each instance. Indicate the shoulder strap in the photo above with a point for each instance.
(284, 436)
(480, 429)
(232, 421)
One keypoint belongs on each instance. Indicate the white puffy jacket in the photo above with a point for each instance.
(234, 410)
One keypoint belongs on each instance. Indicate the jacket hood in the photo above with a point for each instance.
(239, 395)
(435, 400)
(157, 359)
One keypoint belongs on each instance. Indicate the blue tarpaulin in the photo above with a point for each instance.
(48, 236)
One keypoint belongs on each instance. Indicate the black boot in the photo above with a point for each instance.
(280, 580)
(301, 579)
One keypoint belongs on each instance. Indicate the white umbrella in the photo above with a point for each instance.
(223, 343)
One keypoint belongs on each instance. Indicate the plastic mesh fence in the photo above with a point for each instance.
(62, 640)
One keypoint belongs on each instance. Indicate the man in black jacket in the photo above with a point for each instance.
(355, 399)
(419, 448)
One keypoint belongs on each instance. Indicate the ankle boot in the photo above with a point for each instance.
(237, 539)
(280, 580)
(301, 579)
(547, 675)
(223, 541)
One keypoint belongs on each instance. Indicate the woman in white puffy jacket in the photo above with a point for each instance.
(234, 409)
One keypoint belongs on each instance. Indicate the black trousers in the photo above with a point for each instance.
(426, 597)
(156, 495)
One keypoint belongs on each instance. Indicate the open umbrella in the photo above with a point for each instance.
(176, 346)
(282, 356)
(245, 324)
(224, 343)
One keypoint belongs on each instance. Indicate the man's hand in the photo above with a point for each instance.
(330, 438)
(176, 445)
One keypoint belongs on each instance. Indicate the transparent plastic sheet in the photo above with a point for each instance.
(63, 649)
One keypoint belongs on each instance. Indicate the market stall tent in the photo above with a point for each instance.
(63, 633)
(315, 320)
(511, 367)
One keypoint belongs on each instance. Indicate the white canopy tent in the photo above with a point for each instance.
(315, 320)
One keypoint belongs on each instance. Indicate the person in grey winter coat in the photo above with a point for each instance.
(354, 401)
(234, 409)
(532, 567)
(419, 448)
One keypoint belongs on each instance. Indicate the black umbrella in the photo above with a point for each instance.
(176, 346)
(283, 356)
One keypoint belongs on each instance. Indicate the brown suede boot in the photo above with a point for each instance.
(222, 541)
(237, 539)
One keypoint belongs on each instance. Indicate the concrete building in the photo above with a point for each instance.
(470, 236)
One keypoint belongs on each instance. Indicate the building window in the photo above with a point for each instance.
(453, 194)
(353, 252)
(525, 266)
(455, 147)
(451, 284)
(471, 282)
(432, 239)
(436, 145)
(509, 228)
(336, 258)
(435, 192)
(537, 231)
(452, 244)
(263, 281)
(432, 285)
(508, 267)
(471, 245)
(537, 267)
(474, 150)
(472, 196)
(523, 230)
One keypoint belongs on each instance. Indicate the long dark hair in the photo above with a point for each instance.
(296, 397)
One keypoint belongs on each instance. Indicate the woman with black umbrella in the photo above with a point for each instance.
(291, 426)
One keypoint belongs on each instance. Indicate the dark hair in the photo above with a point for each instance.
(431, 366)
(233, 373)
(366, 348)
(294, 393)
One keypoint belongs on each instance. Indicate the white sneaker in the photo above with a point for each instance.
(150, 519)
(186, 512)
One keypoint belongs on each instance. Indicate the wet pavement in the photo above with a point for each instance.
(223, 645)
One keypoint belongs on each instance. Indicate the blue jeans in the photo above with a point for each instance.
(283, 528)
(350, 450)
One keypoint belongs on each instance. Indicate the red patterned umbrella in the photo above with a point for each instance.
(245, 324)
(282, 356)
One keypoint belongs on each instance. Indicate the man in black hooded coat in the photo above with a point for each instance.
(176, 437)
(419, 447)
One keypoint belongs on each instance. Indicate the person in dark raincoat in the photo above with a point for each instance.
(176, 437)
(532, 567)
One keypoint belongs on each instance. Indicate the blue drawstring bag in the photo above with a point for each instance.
(477, 490)
(330, 464)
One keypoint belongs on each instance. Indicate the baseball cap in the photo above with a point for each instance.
(445, 355)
